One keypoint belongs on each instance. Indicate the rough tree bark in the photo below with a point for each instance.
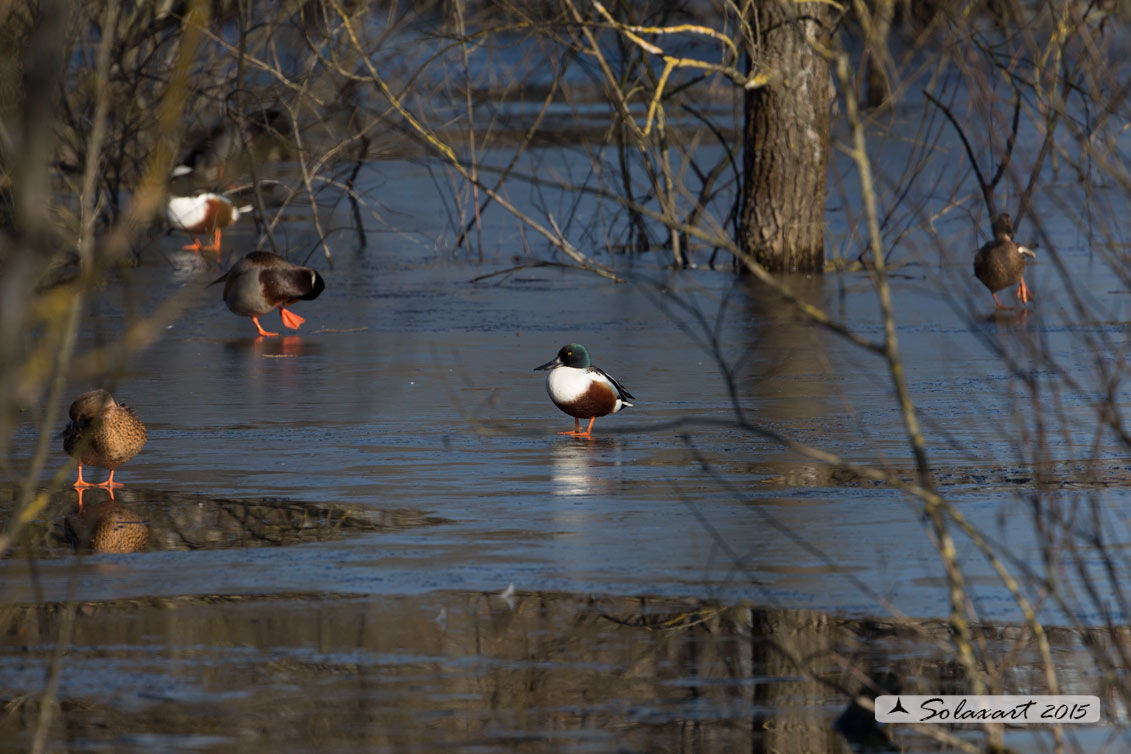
(786, 137)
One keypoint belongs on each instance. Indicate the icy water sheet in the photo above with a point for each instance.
(371, 531)
(410, 391)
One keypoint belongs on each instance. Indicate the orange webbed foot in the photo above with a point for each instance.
(577, 429)
(110, 484)
(290, 319)
(81, 483)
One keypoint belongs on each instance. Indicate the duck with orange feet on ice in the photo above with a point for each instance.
(104, 433)
(1000, 263)
(203, 213)
(582, 390)
(263, 281)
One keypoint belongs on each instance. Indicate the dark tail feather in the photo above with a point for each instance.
(620, 388)
(316, 290)
(220, 279)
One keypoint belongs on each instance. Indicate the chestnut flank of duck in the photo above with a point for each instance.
(202, 214)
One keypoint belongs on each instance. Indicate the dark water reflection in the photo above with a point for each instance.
(131, 520)
(468, 672)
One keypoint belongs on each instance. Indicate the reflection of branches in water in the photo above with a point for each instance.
(174, 521)
(536, 665)
(272, 522)
(687, 314)
(678, 621)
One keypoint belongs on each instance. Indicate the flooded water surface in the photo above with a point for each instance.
(369, 536)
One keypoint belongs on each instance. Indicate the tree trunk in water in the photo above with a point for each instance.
(876, 52)
(786, 138)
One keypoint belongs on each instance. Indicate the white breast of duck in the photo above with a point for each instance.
(584, 393)
(201, 213)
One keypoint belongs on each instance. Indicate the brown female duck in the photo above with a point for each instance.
(999, 264)
(262, 281)
(102, 432)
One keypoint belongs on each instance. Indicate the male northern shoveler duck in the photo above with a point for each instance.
(102, 432)
(582, 390)
(262, 281)
(203, 213)
(999, 264)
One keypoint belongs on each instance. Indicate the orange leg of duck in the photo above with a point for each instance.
(215, 246)
(197, 247)
(1023, 292)
(83, 489)
(290, 319)
(577, 428)
(999, 304)
(259, 327)
(110, 484)
(81, 483)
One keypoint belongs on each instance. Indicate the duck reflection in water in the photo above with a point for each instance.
(584, 468)
(288, 346)
(106, 526)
